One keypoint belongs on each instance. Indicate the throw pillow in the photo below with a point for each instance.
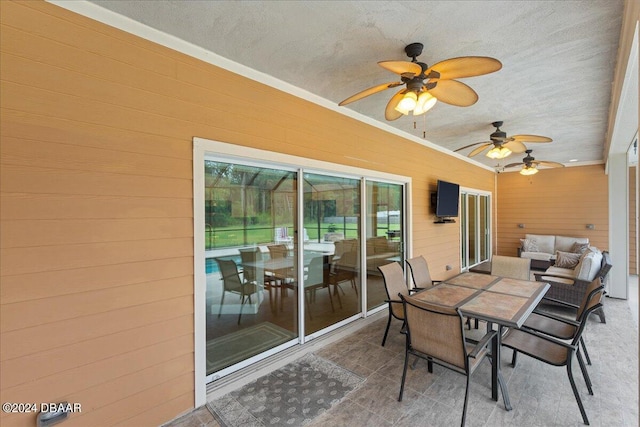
(567, 259)
(529, 245)
(579, 248)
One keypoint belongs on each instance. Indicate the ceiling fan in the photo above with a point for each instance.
(503, 145)
(426, 85)
(530, 164)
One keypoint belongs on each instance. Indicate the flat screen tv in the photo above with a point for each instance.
(447, 198)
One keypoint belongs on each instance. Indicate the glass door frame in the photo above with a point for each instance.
(204, 149)
(464, 223)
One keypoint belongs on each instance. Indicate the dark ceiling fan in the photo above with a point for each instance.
(503, 145)
(530, 164)
(425, 85)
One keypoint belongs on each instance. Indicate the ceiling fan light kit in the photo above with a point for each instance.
(497, 153)
(529, 170)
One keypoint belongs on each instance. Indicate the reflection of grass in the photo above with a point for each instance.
(255, 234)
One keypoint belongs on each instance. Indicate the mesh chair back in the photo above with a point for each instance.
(230, 276)
(512, 267)
(420, 272)
(588, 294)
(436, 331)
(593, 303)
(394, 284)
(250, 257)
(278, 251)
(315, 272)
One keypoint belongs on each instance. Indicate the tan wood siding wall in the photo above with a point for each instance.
(554, 201)
(96, 206)
(633, 221)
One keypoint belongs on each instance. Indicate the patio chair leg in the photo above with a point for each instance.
(466, 400)
(404, 374)
(586, 353)
(600, 313)
(514, 358)
(576, 394)
(386, 331)
(585, 374)
(221, 303)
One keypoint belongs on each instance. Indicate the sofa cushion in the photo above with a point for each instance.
(564, 243)
(589, 265)
(579, 248)
(546, 243)
(569, 273)
(567, 259)
(529, 245)
(542, 256)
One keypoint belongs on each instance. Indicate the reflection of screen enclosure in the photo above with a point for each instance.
(244, 204)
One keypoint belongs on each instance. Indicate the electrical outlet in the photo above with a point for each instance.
(448, 267)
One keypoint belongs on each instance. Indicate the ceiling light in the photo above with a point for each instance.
(529, 170)
(498, 152)
(425, 102)
(573, 160)
(407, 103)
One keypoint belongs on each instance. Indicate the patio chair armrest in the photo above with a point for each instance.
(416, 289)
(483, 343)
(436, 281)
(556, 317)
(558, 301)
(548, 338)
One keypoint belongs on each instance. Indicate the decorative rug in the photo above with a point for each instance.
(290, 396)
(232, 348)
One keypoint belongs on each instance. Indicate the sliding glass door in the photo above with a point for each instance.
(331, 254)
(475, 228)
(288, 254)
(250, 215)
(385, 235)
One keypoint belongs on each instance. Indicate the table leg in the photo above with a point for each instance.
(497, 373)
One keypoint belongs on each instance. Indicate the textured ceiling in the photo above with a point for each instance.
(558, 59)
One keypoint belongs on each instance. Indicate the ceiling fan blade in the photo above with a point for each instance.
(511, 165)
(471, 145)
(515, 146)
(465, 66)
(453, 92)
(403, 68)
(390, 113)
(549, 164)
(480, 149)
(531, 138)
(370, 91)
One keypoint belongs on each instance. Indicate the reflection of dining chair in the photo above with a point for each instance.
(561, 327)
(232, 282)
(556, 352)
(420, 273)
(436, 333)
(394, 284)
(278, 251)
(345, 269)
(512, 267)
(314, 280)
(253, 272)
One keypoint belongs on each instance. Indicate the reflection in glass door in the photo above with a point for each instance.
(250, 268)
(475, 228)
(331, 231)
(385, 235)
(283, 255)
